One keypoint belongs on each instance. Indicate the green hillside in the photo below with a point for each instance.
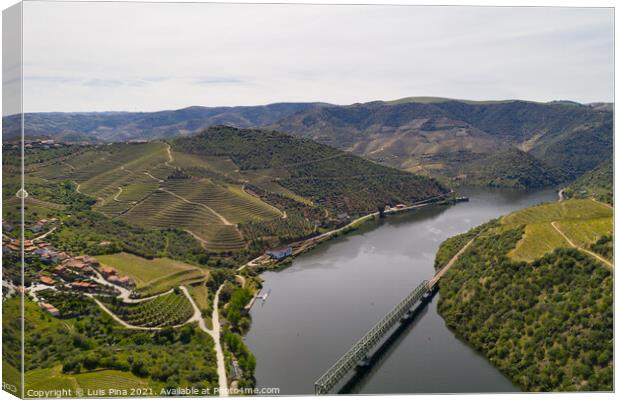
(439, 136)
(73, 351)
(227, 193)
(511, 168)
(336, 180)
(121, 126)
(597, 183)
(539, 307)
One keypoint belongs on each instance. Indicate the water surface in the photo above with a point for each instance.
(328, 298)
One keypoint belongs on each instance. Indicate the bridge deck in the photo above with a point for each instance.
(360, 349)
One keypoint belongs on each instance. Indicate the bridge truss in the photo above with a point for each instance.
(359, 351)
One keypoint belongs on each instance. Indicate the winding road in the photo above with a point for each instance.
(591, 253)
(214, 333)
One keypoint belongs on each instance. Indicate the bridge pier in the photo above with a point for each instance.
(363, 363)
(408, 315)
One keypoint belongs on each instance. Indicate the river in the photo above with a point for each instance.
(331, 296)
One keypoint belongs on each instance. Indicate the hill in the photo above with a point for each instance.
(121, 126)
(234, 192)
(436, 135)
(511, 168)
(427, 135)
(339, 181)
(534, 294)
(597, 183)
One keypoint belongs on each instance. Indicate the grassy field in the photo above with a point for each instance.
(538, 239)
(200, 294)
(160, 273)
(582, 221)
(11, 376)
(574, 209)
(585, 232)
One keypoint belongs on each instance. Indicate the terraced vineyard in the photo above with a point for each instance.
(230, 201)
(163, 210)
(131, 182)
(206, 165)
(200, 186)
(582, 221)
(167, 310)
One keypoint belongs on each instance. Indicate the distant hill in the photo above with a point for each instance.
(427, 135)
(122, 126)
(437, 136)
(512, 168)
(598, 183)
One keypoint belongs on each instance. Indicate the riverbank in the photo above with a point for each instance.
(264, 262)
(326, 299)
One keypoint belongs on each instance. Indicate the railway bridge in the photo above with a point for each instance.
(357, 356)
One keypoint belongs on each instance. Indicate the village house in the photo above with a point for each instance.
(280, 253)
(51, 309)
(47, 256)
(37, 227)
(121, 280)
(14, 247)
(78, 265)
(87, 260)
(84, 286)
(125, 281)
(107, 271)
(46, 280)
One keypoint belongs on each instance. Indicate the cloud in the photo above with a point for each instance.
(220, 81)
(153, 56)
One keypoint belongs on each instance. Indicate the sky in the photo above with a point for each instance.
(147, 57)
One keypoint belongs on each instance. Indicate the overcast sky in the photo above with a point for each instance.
(144, 57)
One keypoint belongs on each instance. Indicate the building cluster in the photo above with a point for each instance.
(280, 253)
(44, 250)
(78, 271)
(111, 275)
(41, 224)
(41, 144)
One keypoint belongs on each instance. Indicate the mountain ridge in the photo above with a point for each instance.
(432, 136)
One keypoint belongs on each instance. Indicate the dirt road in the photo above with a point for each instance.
(591, 253)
